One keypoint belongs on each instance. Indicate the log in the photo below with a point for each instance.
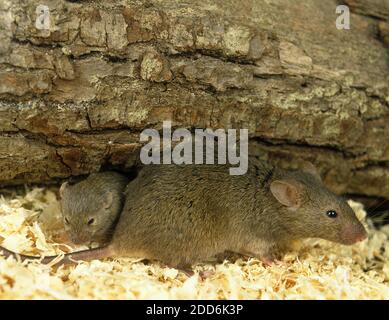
(75, 97)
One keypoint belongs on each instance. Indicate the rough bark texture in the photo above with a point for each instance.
(74, 98)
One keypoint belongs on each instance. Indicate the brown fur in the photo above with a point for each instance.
(185, 214)
(99, 197)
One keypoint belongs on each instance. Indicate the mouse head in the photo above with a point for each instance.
(89, 214)
(310, 210)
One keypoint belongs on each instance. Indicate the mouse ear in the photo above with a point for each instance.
(310, 168)
(63, 187)
(108, 199)
(286, 193)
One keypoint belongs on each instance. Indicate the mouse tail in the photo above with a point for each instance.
(8, 253)
(83, 255)
(69, 258)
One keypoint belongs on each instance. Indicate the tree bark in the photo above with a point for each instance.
(74, 98)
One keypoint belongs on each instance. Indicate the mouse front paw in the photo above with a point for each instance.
(269, 262)
(270, 258)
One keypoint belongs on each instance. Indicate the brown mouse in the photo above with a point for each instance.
(183, 214)
(91, 208)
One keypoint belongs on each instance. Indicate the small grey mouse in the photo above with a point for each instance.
(91, 207)
(183, 214)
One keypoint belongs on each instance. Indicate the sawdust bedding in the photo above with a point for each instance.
(30, 223)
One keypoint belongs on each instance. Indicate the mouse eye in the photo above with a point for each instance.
(91, 221)
(66, 221)
(332, 214)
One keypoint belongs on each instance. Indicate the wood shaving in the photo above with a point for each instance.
(31, 224)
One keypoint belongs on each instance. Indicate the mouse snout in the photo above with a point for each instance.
(353, 233)
(79, 238)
